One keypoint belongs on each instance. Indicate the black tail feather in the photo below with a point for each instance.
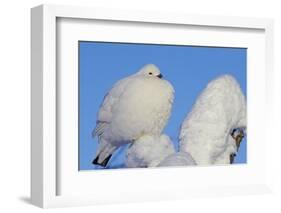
(104, 163)
(95, 161)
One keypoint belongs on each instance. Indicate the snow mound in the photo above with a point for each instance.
(149, 151)
(178, 159)
(206, 131)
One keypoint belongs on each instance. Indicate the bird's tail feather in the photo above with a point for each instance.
(104, 153)
(96, 161)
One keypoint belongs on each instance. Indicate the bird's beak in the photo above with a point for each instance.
(160, 76)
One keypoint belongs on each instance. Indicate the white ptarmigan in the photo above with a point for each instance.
(149, 151)
(137, 105)
(212, 131)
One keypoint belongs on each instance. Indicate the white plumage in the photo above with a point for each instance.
(178, 159)
(149, 151)
(206, 131)
(135, 106)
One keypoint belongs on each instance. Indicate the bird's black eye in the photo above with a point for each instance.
(150, 73)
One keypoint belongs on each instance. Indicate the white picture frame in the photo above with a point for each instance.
(48, 168)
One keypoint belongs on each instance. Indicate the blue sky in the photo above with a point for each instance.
(188, 68)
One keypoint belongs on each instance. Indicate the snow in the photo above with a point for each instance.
(149, 151)
(135, 106)
(178, 159)
(206, 131)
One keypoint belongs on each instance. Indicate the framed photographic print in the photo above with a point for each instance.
(130, 106)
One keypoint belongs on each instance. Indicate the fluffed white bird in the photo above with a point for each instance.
(212, 131)
(149, 151)
(178, 159)
(135, 106)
